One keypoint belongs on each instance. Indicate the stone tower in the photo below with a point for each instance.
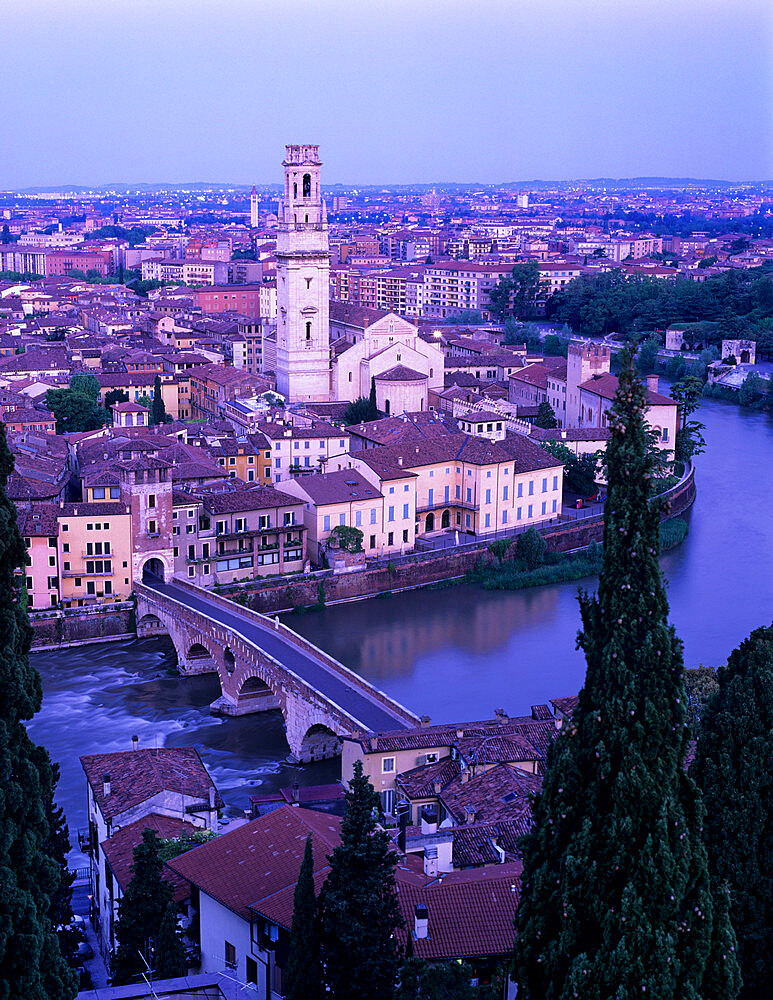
(303, 281)
(583, 361)
(254, 208)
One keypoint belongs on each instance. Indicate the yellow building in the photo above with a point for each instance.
(471, 484)
(95, 542)
(40, 530)
(348, 499)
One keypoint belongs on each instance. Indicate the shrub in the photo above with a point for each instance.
(531, 548)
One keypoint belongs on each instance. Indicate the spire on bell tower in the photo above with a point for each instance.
(254, 208)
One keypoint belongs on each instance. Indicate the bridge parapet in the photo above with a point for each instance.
(352, 679)
(252, 679)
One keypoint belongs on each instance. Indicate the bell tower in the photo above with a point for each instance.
(303, 281)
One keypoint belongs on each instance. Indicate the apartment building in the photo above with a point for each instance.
(221, 536)
(301, 451)
(459, 286)
(95, 540)
(348, 499)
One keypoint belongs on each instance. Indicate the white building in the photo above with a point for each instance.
(303, 281)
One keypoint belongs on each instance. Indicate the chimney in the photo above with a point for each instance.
(425, 720)
(460, 734)
(430, 861)
(295, 795)
(106, 785)
(211, 798)
(500, 713)
(429, 819)
(469, 814)
(465, 775)
(374, 743)
(652, 382)
(402, 814)
(421, 921)
(135, 742)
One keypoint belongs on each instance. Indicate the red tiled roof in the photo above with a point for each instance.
(137, 775)
(119, 849)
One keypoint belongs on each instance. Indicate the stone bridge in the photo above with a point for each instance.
(263, 665)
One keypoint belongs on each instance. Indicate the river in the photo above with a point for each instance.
(456, 653)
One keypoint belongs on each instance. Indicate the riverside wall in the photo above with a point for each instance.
(76, 626)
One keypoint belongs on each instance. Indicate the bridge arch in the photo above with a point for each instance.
(150, 624)
(153, 569)
(319, 743)
(229, 660)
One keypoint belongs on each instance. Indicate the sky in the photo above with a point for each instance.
(394, 91)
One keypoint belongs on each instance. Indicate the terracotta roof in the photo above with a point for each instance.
(474, 843)
(258, 860)
(400, 373)
(137, 775)
(338, 487)
(606, 387)
(498, 794)
(119, 849)
(247, 499)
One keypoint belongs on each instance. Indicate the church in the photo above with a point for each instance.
(317, 361)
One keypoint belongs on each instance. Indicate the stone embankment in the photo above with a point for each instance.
(100, 624)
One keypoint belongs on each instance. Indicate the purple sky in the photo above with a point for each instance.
(394, 91)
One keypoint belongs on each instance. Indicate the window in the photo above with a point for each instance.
(405, 535)
(544, 507)
(326, 523)
(342, 519)
(544, 485)
(372, 542)
(230, 955)
(665, 433)
(373, 515)
(98, 493)
(387, 765)
(52, 560)
(555, 506)
(520, 489)
(531, 487)
(152, 500)
(66, 547)
(555, 484)
(469, 495)
(504, 517)
(151, 527)
(519, 514)
(91, 587)
(530, 511)
(308, 330)
(504, 493)
(358, 518)
(488, 496)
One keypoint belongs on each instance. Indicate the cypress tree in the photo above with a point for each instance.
(158, 410)
(372, 398)
(303, 971)
(734, 768)
(359, 902)
(31, 962)
(616, 899)
(169, 957)
(140, 910)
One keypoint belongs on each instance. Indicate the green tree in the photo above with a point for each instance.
(580, 471)
(700, 685)
(647, 358)
(33, 890)
(515, 294)
(554, 347)
(372, 398)
(346, 538)
(769, 393)
(359, 903)
(616, 899)
(77, 408)
(360, 411)
(546, 417)
(303, 969)
(750, 393)
(140, 910)
(420, 980)
(158, 413)
(689, 437)
(57, 847)
(733, 767)
(115, 396)
(531, 548)
(169, 955)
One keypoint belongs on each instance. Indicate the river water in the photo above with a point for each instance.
(456, 653)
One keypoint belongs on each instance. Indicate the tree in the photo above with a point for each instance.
(77, 408)
(115, 396)
(531, 548)
(360, 411)
(373, 398)
(140, 910)
(733, 767)
(750, 393)
(647, 358)
(580, 471)
(616, 899)
(358, 902)
(421, 980)
(57, 847)
(689, 437)
(31, 960)
(346, 538)
(303, 969)
(515, 294)
(169, 957)
(700, 684)
(158, 413)
(546, 417)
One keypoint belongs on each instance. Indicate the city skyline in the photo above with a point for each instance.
(406, 96)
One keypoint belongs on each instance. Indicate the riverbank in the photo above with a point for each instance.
(503, 570)
(277, 595)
